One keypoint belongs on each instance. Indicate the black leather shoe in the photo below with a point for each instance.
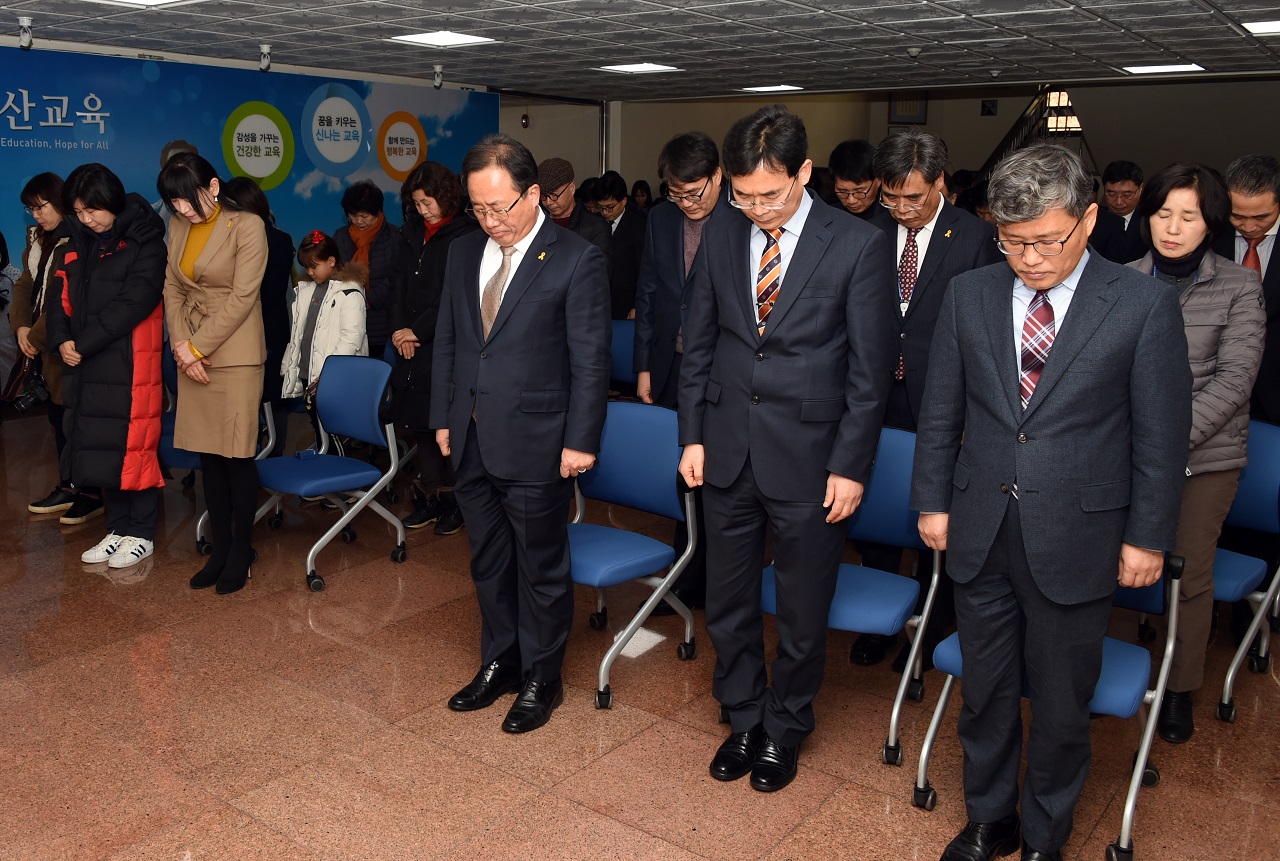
(737, 754)
(1029, 854)
(982, 841)
(775, 766)
(1176, 724)
(870, 649)
(533, 706)
(490, 683)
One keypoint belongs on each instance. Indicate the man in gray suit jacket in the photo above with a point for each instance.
(1049, 464)
(787, 357)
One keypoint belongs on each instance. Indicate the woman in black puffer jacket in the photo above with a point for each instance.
(105, 322)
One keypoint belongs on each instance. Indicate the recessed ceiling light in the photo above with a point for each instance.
(640, 68)
(139, 2)
(1160, 70)
(441, 39)
(1263, 28)
(775, 88)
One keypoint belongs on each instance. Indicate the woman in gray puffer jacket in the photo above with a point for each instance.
(1183, 208)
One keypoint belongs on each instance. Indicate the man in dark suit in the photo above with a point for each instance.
(519, 385)
(1117, 235)
(1049, 465)
(627, 222)
(787, 359)
(559, 200)
(933, 242)
(852, 166)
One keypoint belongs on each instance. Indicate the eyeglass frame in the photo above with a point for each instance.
(554, 196)
(755, 204)
(499, 215)
(1117, 194)
(857, 194)
(678, 199)
(32, 210)
(1061, 243)
(904, 207)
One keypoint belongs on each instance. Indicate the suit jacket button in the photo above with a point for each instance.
(1022, 437)
(759, 357)
(1004, 488)
(484, 355)
(755, 399)
(902, 336)
(684, 307)
(472, 392)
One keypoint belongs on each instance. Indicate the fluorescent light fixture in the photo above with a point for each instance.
(1160, 70)
(1263, 28)
(776, 88)
(141, 2)
(441, 39)
(639, 69)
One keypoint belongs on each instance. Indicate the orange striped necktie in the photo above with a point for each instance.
(768, 277)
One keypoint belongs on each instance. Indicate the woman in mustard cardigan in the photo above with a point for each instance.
(214, 311)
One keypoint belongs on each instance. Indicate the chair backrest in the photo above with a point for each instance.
(1152, 600)
(885, 513)
(1257, 503)
(349, 395)
(623, 346)
(638, 461)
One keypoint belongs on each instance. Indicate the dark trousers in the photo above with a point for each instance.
(58, 419)
(693, 580)
(807, 556)
(1010, 631)
(435, 472)
(519, 564)
(132, 512)
(231, 497)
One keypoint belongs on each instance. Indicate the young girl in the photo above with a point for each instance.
(328, 315)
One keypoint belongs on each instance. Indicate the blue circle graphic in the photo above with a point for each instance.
(309, 129)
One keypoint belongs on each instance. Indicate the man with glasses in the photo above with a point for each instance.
(627, 223)
(519, 385)
(787, 359)
(1118, 235)
(857, 188)
(933, 242)
(559, 199)
(1049, 465)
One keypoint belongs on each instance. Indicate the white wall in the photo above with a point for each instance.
(556, 130)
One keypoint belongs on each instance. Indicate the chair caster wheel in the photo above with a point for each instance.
(399, 554)
(1259, 663)
(687, 651)
(926, 798)
(276, 521)
(604, 698)
(348, 535)
(599, 620)
(1150, 776)
(204, 548)
(1227, 711)
(189, 480)
(1115, 853)
(253, 555)
(1146, 632)
(915, 690)
(724, 715)
(892, 754)
(315, 582)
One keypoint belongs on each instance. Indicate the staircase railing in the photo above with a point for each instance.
(1027, 128)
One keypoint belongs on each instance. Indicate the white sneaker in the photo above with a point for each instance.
(102, 551)
(130, 551)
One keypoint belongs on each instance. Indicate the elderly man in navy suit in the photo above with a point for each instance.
(1049, 465)
(787, 356)
(520, 382)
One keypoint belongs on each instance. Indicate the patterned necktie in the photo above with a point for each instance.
(1037, 341)
(908, 271)
(1251, 259)
(491, 298)
(768, 278)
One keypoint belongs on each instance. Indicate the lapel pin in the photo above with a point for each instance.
(947, 235)
(542, 256)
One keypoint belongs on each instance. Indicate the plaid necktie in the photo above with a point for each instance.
(768, 278)
(1037, 341)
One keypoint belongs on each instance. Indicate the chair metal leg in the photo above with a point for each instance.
(923, 794)
(912, 681)
(1259, 662)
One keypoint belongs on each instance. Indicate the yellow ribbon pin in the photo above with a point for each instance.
(947, 235)
(542, 256)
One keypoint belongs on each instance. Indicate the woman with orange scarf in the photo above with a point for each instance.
(368, 238)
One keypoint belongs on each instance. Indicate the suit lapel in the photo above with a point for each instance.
(814, 239)
(939, 247)
(997, 302)
(217, 238)
(743, 290)
(471, 288)
(531, 265)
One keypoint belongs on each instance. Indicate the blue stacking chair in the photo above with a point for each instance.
(1237, 577)
(1124, 689)
(622, 366)
(871, 601)
(638, 468)
(349, 399)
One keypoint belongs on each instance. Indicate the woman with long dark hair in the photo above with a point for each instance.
(213, 303)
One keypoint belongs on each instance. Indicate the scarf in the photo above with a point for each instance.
(1179, 267)
(363, 238)
(433, 229)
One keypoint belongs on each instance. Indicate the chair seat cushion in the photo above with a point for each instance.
(313, 476)
(867, 600)
(1126, 673)
(603, 556)
(170, 456)
(1236, 575)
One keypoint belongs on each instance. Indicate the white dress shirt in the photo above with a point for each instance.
(613, 225)
(491, 260)
(786, 245)
(1265, 247)
(1059, 297)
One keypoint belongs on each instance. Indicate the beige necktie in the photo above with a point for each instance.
(491, 299)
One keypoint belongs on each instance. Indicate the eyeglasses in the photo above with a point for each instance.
(1043, 247)
(553, 196)
(903, 206)
(1120, 195)
(495, 214)
(754, 204)
(608, 209)
(32, 210)
(855, 194)
(689, 198)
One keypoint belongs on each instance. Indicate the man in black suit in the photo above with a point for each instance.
(857, 188)
(787, 358)
(1049, 465)
(627, 223)
(1117, 235)
(520, 381)
(933, 242)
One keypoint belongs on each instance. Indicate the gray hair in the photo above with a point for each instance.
(1252, 175)
(1031, 181)
(908, 150)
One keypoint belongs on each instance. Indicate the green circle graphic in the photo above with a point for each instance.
(286, 142)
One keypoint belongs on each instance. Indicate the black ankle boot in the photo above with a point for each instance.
(209, 574)
(1176, 724)
(236, 573)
